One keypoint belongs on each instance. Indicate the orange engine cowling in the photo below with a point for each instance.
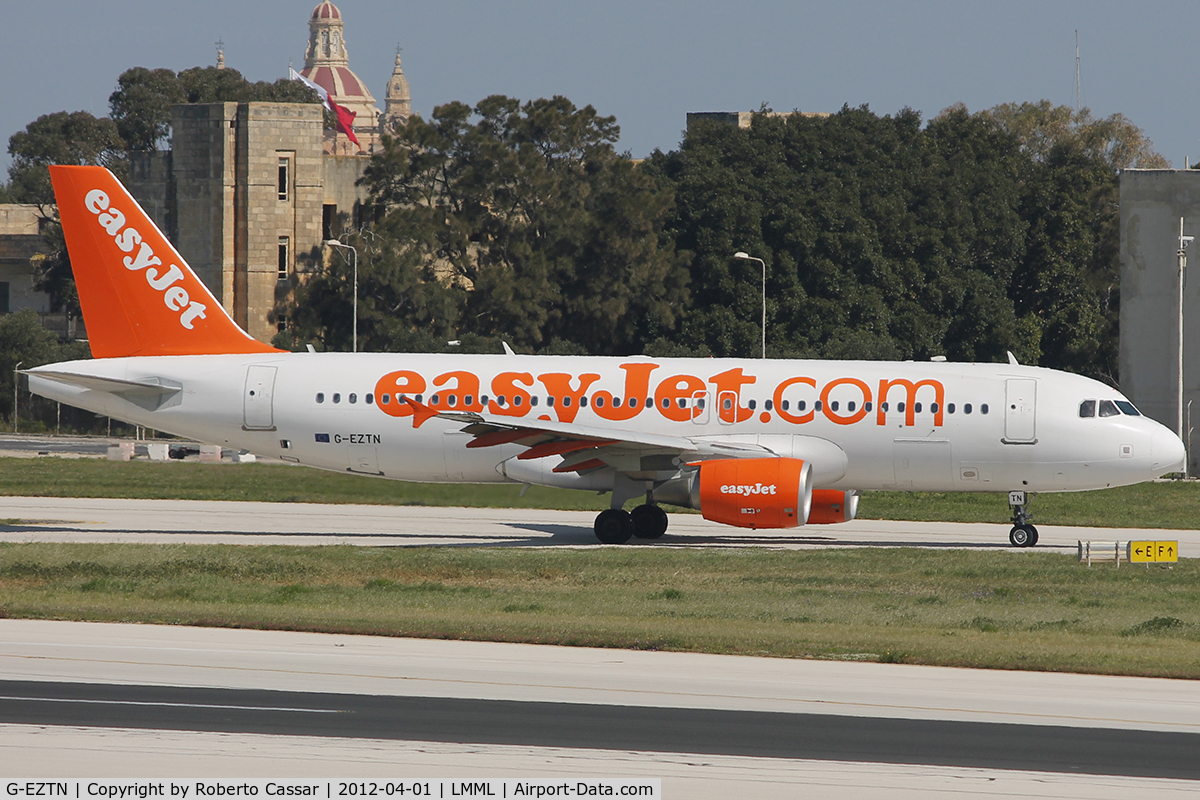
(755, 492)
(831, 505)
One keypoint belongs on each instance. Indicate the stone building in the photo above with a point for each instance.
(250, 192)
(1153, 201)
(20, 240)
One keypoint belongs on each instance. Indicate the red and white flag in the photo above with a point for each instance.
(345, 117)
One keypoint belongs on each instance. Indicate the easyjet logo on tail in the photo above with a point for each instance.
(142, 259)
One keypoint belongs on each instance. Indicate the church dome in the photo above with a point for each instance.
(327, 64)
(341, 82)
(326, 10)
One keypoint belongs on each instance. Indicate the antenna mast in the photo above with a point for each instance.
(1079, 80)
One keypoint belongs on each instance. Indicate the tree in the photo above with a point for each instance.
(141, 106)
(878, 234)
(538, 229)
(973, 235)
(1041, 127)
(23, 340)
(60, 138)
(52, 271)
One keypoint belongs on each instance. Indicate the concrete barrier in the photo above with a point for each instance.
(122, 451)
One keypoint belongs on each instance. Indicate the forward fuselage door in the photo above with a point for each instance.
(1020, 411)
(258, 398)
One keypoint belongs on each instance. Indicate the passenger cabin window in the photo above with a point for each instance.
(320, 397)
(1108, 409)
(983, 409)
(1127, 407)
(1087, 408)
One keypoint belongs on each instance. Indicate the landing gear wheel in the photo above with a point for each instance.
(649, 521)
(1023, 535)
(614, 526)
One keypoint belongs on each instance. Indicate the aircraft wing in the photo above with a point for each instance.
(584, 447)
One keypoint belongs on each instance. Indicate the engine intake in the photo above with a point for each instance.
(830, 506)
(754, 492)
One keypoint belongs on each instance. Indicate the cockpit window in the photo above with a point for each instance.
(1108, 409)
(1087, 408)
(1127, 407)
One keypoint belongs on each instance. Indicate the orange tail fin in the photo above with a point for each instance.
(139, 297)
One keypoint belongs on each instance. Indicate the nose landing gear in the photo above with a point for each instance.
(1023, 533)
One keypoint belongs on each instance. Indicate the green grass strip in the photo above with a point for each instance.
(1003, 610)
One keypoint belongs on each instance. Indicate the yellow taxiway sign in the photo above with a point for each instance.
(1153, 552)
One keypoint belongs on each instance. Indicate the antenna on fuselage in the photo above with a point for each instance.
(1012, 359)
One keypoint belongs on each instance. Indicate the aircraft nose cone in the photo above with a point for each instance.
(1168, 451)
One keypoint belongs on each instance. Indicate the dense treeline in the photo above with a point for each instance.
(887, 236)
(884, 237)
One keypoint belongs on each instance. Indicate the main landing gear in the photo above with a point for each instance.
(1023, 534)
(616, 525)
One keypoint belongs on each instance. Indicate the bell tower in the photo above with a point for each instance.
(399, 101)
(327, 63)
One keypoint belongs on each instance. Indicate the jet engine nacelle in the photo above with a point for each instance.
(832, 505)
(754, 492)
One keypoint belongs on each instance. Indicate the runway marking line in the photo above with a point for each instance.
(167, 705)
(1138, 724)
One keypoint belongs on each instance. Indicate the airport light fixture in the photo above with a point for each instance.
(354, 325)
(1181, 426)
(748, 257)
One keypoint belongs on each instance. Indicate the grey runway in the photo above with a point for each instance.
(1096, 751)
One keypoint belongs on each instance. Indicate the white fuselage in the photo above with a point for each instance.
(946, 427)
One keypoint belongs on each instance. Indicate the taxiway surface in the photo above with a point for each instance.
(30, 519)
(250, 704)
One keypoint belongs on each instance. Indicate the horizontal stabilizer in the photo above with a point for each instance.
(150, 393)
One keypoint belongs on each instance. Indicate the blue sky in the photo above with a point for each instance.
(650, 62)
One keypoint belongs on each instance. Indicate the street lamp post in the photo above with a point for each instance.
(763, 264)
(354, 325)
(16, 383)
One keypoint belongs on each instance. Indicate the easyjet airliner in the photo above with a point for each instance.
(752, 443)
